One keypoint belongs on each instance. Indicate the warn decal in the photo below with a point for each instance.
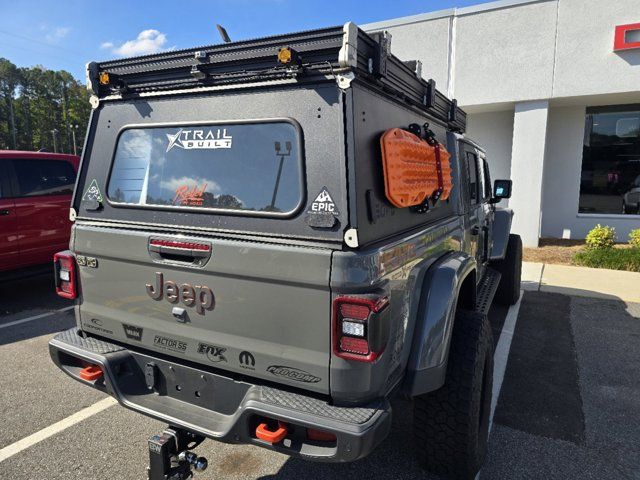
(199, 296)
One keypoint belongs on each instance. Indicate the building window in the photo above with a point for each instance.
(610, 177)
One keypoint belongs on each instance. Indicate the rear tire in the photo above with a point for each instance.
(510, 268)
(451, 425)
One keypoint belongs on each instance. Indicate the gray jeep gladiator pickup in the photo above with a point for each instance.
(274, 237)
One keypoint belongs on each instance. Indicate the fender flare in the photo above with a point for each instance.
(500, 233)
(427, 365)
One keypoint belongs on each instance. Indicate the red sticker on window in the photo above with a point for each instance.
(189, 196)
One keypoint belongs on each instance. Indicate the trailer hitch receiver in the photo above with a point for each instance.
(169, 457)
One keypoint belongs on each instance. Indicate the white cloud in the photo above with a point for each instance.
(55, 34)
(106, 45)
(148, 41)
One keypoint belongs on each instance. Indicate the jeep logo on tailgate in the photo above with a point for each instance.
(200, 295)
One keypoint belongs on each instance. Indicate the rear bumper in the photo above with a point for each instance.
(221, 407)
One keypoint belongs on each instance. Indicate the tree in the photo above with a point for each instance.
(9, 80)
(34, 102)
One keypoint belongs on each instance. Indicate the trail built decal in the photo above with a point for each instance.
(324, 203)
(199, 139)
(93, 193)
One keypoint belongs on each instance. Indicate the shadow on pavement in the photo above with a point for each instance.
(27, 297)
(394, 458)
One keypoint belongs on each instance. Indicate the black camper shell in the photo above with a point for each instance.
(340, 90)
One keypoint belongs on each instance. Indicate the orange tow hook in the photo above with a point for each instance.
(91, 373)
(263, 433)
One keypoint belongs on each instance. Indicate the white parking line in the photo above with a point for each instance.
(20, 445)
(35, 317)
(501, 355)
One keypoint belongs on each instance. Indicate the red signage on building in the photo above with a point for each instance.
(627, 37)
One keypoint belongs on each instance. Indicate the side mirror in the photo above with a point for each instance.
(501, 189)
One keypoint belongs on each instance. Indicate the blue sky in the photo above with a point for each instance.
(67, 34)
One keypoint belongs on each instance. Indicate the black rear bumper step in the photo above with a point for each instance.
(220, 407)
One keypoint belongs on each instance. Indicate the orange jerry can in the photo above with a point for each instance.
(411, 171)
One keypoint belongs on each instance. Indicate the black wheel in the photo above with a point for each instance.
(510, 268)
(451, 425)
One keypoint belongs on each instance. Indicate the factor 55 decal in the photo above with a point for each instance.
(292, 374)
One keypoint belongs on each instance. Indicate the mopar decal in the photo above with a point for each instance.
(134, 333)
(293, 374)
(199, 296)
(247, 360)
(169, 344)
(198, 139)
(214, 353)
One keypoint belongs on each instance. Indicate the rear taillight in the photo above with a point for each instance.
(64, 264)
(360, 327)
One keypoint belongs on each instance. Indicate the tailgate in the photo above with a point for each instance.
(256, 309)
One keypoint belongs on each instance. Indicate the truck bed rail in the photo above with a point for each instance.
(326, 52)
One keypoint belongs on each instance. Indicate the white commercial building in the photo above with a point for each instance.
(552, 89)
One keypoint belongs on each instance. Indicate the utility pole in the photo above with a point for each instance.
(55, 145)
(73, 135)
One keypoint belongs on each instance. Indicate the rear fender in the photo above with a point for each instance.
(441, 288)
(500, 233)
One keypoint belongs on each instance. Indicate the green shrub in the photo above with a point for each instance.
(612, 258)
(634, 238)
(601, 237)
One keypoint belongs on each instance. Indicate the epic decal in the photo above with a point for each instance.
(323, 203)
(199, 296)
(293, 374)
(200, 139)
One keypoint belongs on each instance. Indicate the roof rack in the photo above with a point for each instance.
(345, 53)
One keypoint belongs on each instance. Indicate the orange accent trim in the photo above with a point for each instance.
(91, 373)
(410, 165)
(263, 433)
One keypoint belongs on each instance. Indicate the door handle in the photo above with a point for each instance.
(5, 212)
(475, 230)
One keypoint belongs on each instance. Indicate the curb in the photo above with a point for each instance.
(581, 281)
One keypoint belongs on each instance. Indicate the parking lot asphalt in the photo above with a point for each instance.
(569, 406)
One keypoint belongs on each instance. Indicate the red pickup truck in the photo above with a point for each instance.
(35, 195)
